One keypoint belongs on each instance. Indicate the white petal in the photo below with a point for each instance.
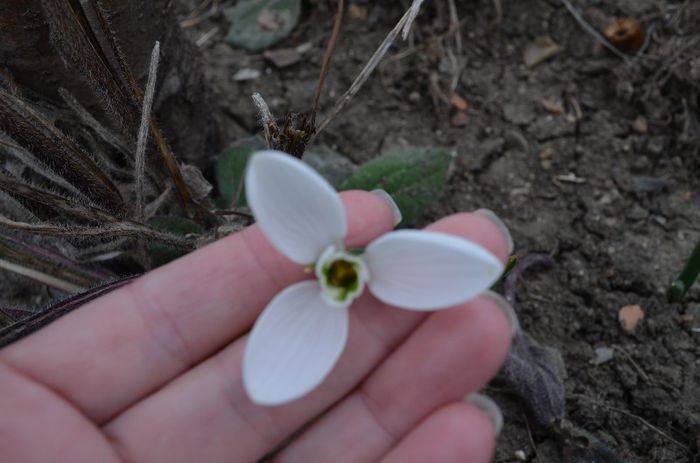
(293, 345)
(422, 270)
(299, 212)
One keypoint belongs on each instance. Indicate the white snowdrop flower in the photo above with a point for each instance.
(301, 333)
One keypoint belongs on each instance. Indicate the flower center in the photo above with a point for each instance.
(342, 276)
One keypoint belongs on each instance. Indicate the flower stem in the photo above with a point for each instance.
(510, 265)
(685, 280)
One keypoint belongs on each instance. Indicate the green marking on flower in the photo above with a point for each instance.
(342, 275)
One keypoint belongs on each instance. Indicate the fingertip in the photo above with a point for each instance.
(454, 433)
(479, 228)
(497, 332)
(369, 216)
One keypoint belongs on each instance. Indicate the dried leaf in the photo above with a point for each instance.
(537, 373)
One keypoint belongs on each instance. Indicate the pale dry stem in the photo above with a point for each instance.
(141, 144)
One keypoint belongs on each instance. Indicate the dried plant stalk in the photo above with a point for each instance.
(112, 230)
(37, 134)
(40, 277)
(89, 120)
(404, 25)
(27, 159)
(35, 194)
(166, 152)
(266, 119)
(46, 259)
(327, 56)
(74, 39)
(143, 132)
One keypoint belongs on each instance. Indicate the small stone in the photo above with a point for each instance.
(546, 156)
(516, 141)
(356, 11)
(518, 112)
(540, 50)
(602, 355)
(640, 125)
(414, 97)
(636, 213)
(552, 105)
(284, 57)
(246, 74)
(459, 102)
(460, 119)
(629, 317)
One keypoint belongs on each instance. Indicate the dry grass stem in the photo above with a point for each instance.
(266, 118)
(412, 14)
(41, 277)
(327, 56)
(166, 152)
(141, 143)
(28, 160)
(29, 128)
(89, 120)
(403, 24)
(112, 230)
(22, 189)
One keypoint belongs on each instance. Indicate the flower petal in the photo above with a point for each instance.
(299, 212)
(293, 345)
(422, 270)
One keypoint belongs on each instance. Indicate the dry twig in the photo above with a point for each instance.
(404, 27)
(141, 143)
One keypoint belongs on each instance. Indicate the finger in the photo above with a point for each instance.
(38, 426)
(455, 433)
(135, 339)
(453, 353)
(213, 400)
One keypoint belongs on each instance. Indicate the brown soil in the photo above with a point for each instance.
(588, 159)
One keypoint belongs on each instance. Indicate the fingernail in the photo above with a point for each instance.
(488, 406)
(507, 309)
(391, 203)
(489, 214)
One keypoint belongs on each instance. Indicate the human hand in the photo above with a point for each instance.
(152, 371)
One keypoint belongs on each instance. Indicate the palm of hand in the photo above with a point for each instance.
(152, 372)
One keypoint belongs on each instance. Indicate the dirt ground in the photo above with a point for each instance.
(589, 158)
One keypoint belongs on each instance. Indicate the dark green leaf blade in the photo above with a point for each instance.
(414, 177)
(230, 168)
(160, 253)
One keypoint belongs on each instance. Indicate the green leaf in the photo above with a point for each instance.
(230, 168)
(414, 177)
(162, 254)
(688, 275)
(259, 24)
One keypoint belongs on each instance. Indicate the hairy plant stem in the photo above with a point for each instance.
(142, 139)
(110, 230)
(40, 277)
